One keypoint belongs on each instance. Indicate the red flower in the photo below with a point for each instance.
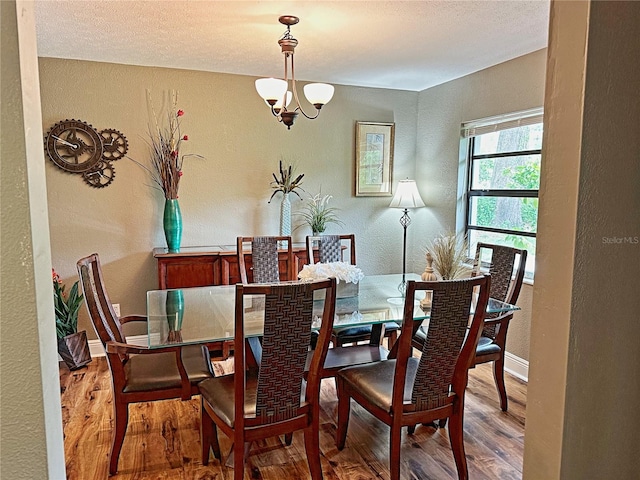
(180, 113)
(55, 276)
(174, 154)
(180, 173)
(186, 137)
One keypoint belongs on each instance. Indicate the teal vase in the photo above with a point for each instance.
(175, 309)
(172, 223)
(175, 313)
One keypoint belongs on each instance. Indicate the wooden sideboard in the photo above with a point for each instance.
(213, 265)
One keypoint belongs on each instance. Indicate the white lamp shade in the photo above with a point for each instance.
(271, 88)
(278, 104)
(407, 195)
(318, 93)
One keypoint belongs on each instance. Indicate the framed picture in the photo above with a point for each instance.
(374, 159)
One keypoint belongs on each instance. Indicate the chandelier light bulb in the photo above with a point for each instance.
(271, 89)
(318, 94)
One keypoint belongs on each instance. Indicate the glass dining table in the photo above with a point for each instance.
(206, 314)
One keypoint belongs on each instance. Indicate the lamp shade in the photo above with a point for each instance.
(318, 93)
(271, 88)
(407, 195)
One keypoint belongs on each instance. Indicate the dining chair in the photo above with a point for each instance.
(506, 265)
(507, 268)
(329, 248)
(406, 390)
(278, 397)
(138, 374)
(265, 264)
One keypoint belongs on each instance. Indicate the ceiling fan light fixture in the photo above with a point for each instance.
(276, 92)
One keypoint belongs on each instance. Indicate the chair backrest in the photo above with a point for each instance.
(103, 317)
(448, 351)
(265, 259)
(330, 248)
(288, 319)
(506, 267)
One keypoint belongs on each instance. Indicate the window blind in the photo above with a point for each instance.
(501, 122)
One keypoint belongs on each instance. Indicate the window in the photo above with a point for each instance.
(503, 178)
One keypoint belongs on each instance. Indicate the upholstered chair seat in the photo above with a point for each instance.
(145, 373)
(219, 393)
(373, 381)
(487, 346)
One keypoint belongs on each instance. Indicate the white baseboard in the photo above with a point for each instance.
(96, 349)
(516, 366)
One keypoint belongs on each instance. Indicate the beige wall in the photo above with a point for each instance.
(226, 194)
(30, 412)
(508, 87)
(223, 196)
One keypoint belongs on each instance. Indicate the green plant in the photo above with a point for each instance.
(317, 213)
(66, 307)
(286, 183)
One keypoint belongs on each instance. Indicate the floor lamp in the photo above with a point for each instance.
(406, 197)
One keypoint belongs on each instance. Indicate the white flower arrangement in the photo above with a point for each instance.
(342, 271)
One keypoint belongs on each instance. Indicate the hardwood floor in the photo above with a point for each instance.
(163, 440)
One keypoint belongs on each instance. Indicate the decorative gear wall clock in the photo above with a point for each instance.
(114, 144)
(76, 147)
(101, 175)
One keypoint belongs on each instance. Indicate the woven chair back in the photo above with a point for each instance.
(331, 248)
(448, 321)
(506, 268)
(287, 333)
(288, 318)
(264, 252)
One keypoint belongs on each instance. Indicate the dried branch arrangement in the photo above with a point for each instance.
(165, 141)
(449, 254)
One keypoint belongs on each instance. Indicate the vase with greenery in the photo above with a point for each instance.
(286, 184)
(317, 213)
(72, 345)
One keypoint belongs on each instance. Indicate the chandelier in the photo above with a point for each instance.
(276, 92)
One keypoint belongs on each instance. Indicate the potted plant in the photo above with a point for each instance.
(287, 184)
(72, 345)
(318, 214)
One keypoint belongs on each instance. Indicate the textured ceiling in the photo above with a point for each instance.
(393, 44)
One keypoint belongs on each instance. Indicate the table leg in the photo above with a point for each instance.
(377, 333)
